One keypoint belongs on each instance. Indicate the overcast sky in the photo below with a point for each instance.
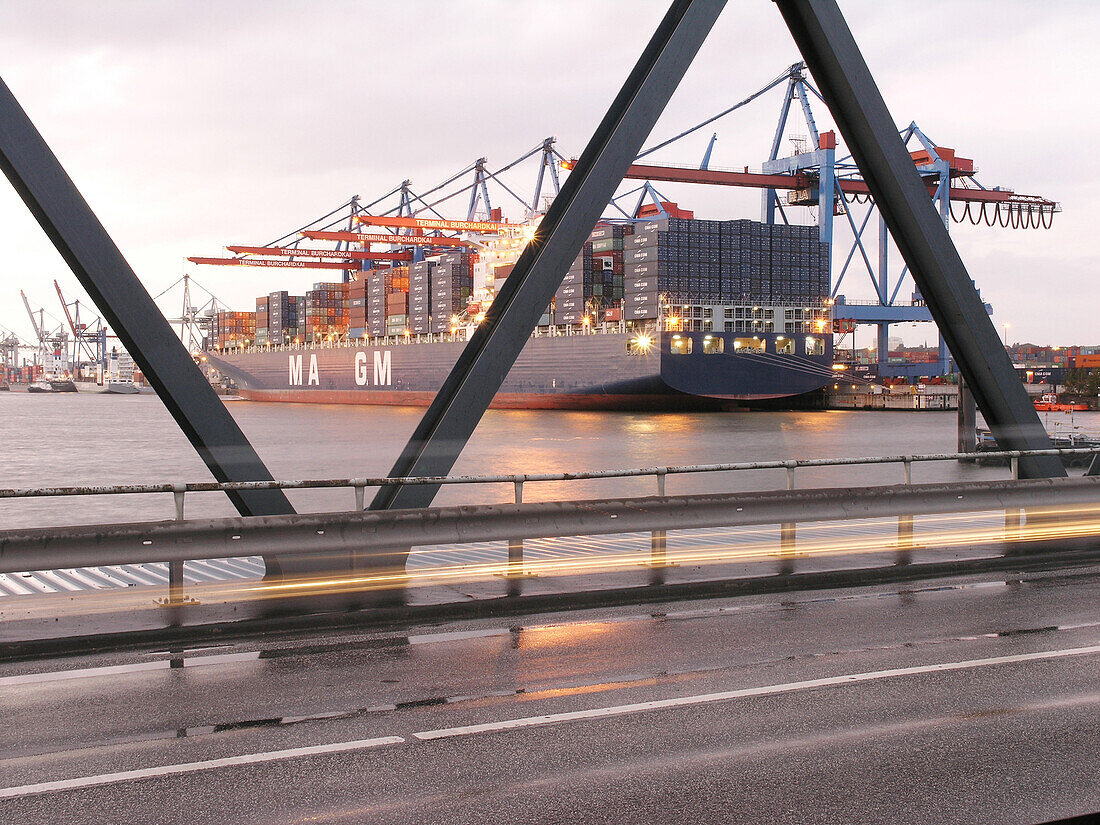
(189, 126)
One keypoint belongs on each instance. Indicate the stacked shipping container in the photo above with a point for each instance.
(576, 288)
(595, 278)
(283, 314)
(357, 307)
(233, 329)
(420, 296)
(262, 337)
(452, 285)
(326, 311)
(387, 301)
(688, 261)
(722, 262)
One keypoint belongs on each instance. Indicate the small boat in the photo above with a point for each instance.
(52, 386)
(1060, 439)
(1049, 403)
(121, 388)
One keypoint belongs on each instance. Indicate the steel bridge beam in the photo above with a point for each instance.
(494, 347)
(87, 248)
(853, 97)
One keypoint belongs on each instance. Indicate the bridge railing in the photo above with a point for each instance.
(359, 485)
(360, 530)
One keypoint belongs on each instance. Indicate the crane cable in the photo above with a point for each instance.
(1005, 215)
(1012, 215)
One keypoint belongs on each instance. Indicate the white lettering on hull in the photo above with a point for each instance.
(361, 369)
(382, 369)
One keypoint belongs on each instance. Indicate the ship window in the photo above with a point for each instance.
(712, 345)
(754, 344)
(814, 345)
(784, 346)
(680, 345)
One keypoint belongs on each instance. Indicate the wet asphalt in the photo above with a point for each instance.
(1012, 740)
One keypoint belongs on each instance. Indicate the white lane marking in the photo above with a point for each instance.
(530, 721)
(81, 673)
(457, 635)
(114, 670)
(189, 767)
(766, 690)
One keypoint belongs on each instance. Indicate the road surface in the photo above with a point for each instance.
(971, 700)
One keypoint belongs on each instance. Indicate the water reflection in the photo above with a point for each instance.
(128, 439)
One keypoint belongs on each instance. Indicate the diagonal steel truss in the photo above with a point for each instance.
(83, 242)
(480, 370)
(917, 227)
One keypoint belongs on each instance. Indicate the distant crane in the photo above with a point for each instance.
(52, 346)
(194, 321)
(89, 340)
(10, 345)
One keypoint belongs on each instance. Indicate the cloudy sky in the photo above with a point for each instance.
(189, 126)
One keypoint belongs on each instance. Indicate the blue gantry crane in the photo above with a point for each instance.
(814, 176)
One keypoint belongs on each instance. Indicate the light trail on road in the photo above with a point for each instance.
(608, 554)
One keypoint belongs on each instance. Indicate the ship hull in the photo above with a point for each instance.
(605, 371)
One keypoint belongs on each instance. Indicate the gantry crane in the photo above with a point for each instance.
(89, 339)
(813, 176)
(52, 346)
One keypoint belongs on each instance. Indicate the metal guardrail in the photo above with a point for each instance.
(179, 540)
(359, 484)
(387, 532)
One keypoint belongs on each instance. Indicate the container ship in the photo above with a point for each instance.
(668, 313)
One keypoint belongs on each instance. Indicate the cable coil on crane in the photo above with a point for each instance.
(1012, 215)
(1006, 215)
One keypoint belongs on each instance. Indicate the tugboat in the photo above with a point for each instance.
(1050, 403)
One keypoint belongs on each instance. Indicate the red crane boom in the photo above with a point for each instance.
(347, 254)
(262, 262)
(433, 223)
(764, 180)
(361, 237)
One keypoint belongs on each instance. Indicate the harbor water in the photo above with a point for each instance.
(85, 439)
